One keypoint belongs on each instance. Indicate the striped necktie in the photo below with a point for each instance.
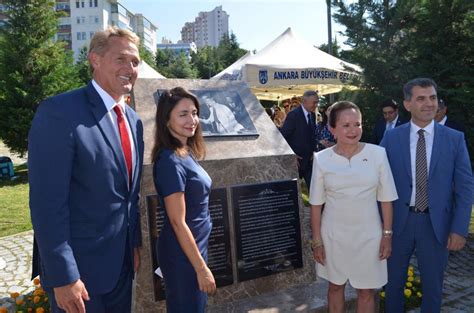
(421, 178)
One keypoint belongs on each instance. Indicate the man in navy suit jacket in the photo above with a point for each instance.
(299, 131)
(431, 215)
(390, 120)
(84, 186)
(443, 119)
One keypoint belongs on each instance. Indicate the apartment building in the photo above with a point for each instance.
(82, 18)
(207, 29)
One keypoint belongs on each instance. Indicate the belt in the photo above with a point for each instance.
(415, 210)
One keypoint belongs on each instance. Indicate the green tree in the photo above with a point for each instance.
(181, 68)
(146, 55)
(163, 61)
(209, 61)
(82, 66)
(32, 67)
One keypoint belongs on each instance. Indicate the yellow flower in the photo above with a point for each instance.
(38, 292)
(419, 294)
(417, 280)
(3, 310)
(410, 279)
(39, 310)
(410, 273)
(45, 299)
(20, 301)
(14, 295)
(382, 294)
(410, 268)
(36, 281)
(407, 293)
(36, 299)
(409, 284)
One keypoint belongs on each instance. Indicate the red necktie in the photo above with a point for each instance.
(125, 139)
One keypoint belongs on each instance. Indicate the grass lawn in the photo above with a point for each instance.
(14, 209)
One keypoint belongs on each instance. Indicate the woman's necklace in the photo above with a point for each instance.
(347, 153)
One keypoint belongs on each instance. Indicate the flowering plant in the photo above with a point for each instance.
(35, 301)
(412, 291)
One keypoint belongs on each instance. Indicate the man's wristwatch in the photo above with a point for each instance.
(387, 233)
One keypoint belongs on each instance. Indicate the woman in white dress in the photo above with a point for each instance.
(350, 239)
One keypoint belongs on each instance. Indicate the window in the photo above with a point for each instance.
(95, 3)
(77, 4)
(82, 3)
(81, 35)
(78, 20)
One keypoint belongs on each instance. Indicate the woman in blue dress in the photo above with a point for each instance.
(183, 188)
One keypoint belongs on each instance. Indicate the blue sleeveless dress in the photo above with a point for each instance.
(171, 174)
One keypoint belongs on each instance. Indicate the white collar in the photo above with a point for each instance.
(109, 102)
(429, 129)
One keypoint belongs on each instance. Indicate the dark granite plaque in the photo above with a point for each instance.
(267, 228)
(219, 254)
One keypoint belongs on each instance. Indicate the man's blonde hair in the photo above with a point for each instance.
(100, 41)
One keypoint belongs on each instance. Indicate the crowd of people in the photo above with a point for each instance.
(85, 161)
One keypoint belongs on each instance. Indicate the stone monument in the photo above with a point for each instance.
(257, 244)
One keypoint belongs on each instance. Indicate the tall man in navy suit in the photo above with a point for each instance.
(391, 119)
(433, 176)
(85, 160)
(299, 131)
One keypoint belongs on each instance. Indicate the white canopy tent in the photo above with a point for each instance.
(146, 71)
(287, 67)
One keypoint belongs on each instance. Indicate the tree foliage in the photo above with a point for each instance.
(207, 62)
(82, 66)
(32, 67)
(395, 41)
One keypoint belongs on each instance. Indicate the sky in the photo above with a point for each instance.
(255, 22)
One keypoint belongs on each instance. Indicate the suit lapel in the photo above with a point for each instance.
(106, 127)
(403, 139)
(436, 151)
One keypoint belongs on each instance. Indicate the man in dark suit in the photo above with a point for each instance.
(85, 160)
(299, 131)
(433, 176)
(443, 119)
(390, 120)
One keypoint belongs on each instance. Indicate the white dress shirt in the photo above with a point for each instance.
(392, 124)
(109, 103)
(443, 121)
(429, 136)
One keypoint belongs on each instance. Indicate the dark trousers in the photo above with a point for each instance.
(119, 300)
(418, 237)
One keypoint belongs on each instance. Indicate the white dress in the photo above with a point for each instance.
(351, 226)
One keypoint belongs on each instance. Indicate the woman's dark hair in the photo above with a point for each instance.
(337, 108)
(163, 137)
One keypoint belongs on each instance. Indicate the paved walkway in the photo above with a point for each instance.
(458, 296)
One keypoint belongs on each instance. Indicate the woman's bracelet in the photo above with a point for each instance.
(316, 243)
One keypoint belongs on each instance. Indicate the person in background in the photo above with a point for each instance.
(433, 175)
(299, 130)
(85, 161)
(442, 118)
(390, 120)
(350, 240)
(324, 138)
(183, 187)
